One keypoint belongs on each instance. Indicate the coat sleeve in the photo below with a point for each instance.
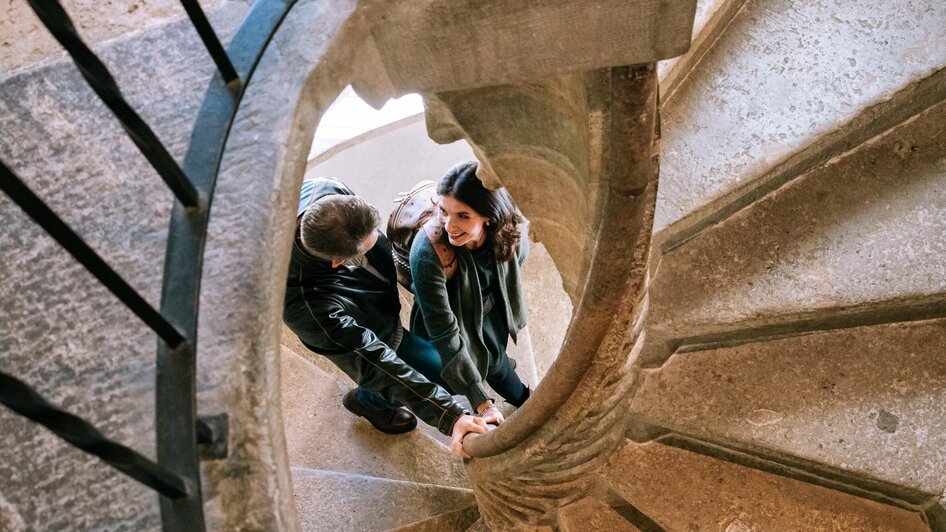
(374, 365)
(443, 329)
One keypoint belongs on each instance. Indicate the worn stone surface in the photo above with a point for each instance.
(302, 71)
(336, 501)
(592, 514)
(10, 520)
(866, 230)
(710, 19)
(24, 41)
(480, 43)
(784, 74)
(63, 333)
(550, 309)
(455, 521)
(321, 434)
(719, 495)
(870, 401)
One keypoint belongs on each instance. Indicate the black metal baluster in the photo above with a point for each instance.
(67, 238)
(22, 399)
(211, 42)
(55, 18)
(182, 506)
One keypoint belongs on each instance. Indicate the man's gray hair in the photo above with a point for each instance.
(333, 226)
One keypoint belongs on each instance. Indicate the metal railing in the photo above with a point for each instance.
(176, 474)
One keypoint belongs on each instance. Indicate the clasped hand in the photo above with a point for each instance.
(466, 424)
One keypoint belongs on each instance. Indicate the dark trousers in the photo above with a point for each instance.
(423, 357)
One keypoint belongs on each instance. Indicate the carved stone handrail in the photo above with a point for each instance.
(545, 453)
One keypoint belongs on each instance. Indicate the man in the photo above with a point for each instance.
(342, 302)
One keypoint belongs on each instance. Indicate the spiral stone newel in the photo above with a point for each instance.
(588, 182)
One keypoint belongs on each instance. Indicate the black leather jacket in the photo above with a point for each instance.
(349, 316)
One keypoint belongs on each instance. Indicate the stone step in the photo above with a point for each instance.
(859, 241)
(321, 434)
(592, 514)
(793, 83)
(455, 521)
(711, 20)
(697, 492)
(337, 502)
(479, 526)
(864, 404)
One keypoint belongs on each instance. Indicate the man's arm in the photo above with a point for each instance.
(374, 365)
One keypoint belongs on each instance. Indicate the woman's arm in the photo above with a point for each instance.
(443, 329)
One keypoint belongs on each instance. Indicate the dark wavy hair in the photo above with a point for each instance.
(496, 206)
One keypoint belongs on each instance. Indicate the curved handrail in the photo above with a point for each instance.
(187, 235)
(612, 267)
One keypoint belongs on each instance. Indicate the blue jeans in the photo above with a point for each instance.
(418, 354)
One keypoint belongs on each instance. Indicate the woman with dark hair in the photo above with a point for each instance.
(470, 306)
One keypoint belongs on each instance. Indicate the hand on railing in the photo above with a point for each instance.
(492, 416)
(465, 424)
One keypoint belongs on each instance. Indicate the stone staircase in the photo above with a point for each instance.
(791, 373)
(348, 476)
(793, 370)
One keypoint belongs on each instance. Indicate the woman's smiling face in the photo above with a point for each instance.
(464, 226)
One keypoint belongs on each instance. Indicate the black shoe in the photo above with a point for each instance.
(389, 421)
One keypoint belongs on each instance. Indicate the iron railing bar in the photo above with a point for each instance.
(34, 207)
(24, 400)
(211, 42)
(176, 369)
(57, 21)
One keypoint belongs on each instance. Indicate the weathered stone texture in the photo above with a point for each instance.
(592, 514)
(247, 254)
(477, 43)
(10, 520)
(24, 41)
(710, 18)
(334, 501)
(63, 332)
(867, 229)
(784, 74)
(700, 493)
(550, 309)
(456, 521)
(869, 401)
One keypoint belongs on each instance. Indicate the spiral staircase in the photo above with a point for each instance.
(756, 344)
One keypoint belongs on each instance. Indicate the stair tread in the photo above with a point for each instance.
(592, 514)
(333, 501)
(866, 401)
(321, 434)
(455, 521)
(723, 495)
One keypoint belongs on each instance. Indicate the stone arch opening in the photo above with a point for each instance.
(315, 54)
